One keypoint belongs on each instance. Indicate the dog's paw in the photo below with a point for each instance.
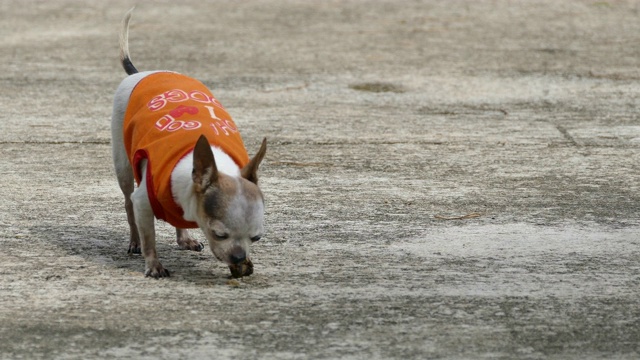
(134, 248)
(190, 244)
(157, 271)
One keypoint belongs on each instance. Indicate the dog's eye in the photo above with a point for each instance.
(255, 238)
(223, 236)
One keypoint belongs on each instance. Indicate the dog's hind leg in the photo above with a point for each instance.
(124, 172)
(134, 237)
(126, 182)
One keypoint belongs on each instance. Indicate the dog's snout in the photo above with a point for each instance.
(237, 256)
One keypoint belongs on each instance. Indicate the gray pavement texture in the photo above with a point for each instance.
(446, 180)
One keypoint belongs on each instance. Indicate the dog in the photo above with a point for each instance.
(181, 147)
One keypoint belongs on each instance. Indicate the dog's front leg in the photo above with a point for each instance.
(146, 228)
(186, 242)
(134, 237)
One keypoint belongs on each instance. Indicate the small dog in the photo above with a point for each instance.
(179, 144)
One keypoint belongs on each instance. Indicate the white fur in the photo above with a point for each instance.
(182, 183)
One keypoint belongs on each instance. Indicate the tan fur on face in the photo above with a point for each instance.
(230, 208)
(233, 206)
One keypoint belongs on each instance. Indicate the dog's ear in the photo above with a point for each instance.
(205, 172)
(250, 171)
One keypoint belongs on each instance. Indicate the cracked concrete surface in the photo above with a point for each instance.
(384, 118)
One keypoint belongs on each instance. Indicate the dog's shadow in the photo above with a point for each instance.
(108, 247)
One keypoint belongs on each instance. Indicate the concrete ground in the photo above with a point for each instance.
(453, 180)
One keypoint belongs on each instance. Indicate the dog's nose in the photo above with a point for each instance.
(237, 256)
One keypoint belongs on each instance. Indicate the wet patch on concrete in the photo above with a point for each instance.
(377, 87)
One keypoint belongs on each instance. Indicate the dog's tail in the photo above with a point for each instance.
(125, 58)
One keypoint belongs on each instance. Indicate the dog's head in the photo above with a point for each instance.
(230, 209)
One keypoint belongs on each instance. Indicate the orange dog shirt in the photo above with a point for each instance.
(165, 129)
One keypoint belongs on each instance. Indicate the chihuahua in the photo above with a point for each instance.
(181, 147)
